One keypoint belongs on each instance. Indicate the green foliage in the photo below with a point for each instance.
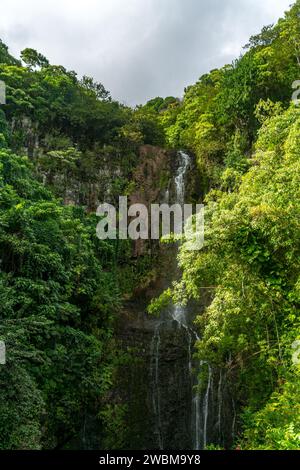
(5, 57)
(245, 134)
(113, 417)
(60, 287)
(32, 58)
(250, 267)
(226, 104)
(277, 425)
(21, 409)
(95, 88)
(45, 99)
(162, 104)
(143, 127)
(58, 297)
(157, 305)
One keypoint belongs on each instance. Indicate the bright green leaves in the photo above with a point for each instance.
(56, 308)
(249, 269)
(32, 58)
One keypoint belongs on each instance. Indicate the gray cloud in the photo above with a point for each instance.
(138, 49)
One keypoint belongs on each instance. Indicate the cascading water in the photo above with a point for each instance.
(176, 401)
(206, 406)
(196, 413)
(199, 410)
(220, 402)
(177, 314)
(154, 370)
(180, 176)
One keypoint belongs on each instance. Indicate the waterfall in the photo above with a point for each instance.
(196, 415)
(233, 419)
(154, 371)
(196, 422)
(200, 414)
(190, 352)
(180, 176)
(177, 314)
(205, 406)
(220, 403)
(206, 403)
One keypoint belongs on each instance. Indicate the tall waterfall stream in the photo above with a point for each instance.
(178, 314)
(174, 400)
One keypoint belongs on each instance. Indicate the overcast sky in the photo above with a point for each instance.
(138, 49)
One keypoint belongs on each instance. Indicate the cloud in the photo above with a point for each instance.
(138, 49)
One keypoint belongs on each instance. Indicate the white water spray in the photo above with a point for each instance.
(154, 371)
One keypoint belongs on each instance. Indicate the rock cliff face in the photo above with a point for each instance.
(166, 406)
(147, 389)
(174, 401)
(159, 379)
(152, 181)
(90, 180)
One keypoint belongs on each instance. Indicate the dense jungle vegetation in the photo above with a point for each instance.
(61, 289)
(244, 130)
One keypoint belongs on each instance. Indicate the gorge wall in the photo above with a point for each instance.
(167, 405)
